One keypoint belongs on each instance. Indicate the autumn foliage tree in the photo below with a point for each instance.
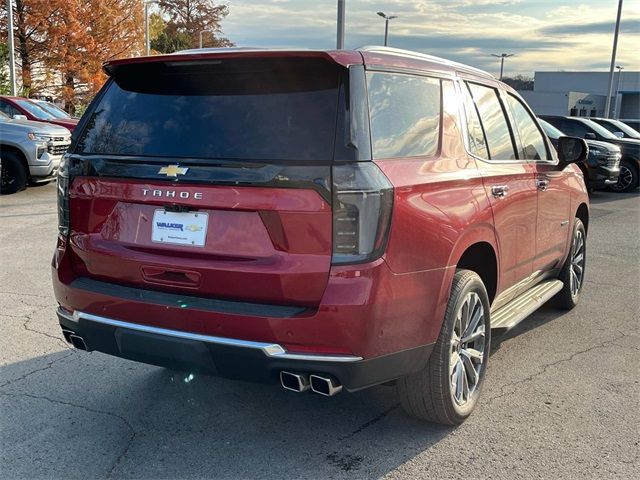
(30, 18)
(85, 34)
(183, 22)
(61, 44)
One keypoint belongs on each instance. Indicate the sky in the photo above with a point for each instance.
(545, 35)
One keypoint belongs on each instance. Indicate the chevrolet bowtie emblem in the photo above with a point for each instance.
(193, 228)
(173, 170)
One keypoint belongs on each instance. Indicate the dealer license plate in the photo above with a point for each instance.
(180, 228)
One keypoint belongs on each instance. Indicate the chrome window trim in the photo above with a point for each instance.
(459, 83)
(272, 350)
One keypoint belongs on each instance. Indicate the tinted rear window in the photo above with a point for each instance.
(264, 109)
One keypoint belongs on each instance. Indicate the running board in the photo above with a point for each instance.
(518, 309)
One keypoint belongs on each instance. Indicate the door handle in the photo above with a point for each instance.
(499, 191)
(542, 184)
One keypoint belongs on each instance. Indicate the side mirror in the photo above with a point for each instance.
(19, 117)
(590, 136)
(572, 150)
(619, 134)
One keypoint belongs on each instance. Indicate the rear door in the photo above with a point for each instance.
(554, 193)
(210, 178)
(508, 181)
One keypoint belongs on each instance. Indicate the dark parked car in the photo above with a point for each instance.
(629, 178)
(632, 123)
(601, 168)
(326, 219)
(13, 106)
(617, 127)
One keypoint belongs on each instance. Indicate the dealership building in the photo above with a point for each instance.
(584, 94)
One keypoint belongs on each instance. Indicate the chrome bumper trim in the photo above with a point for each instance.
(272, 350)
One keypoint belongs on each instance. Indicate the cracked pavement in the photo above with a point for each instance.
(560, 401)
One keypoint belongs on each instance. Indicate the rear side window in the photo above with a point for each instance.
(404, 113)
(494, 122)
(477, 142)
(266, 109)
(532, 142)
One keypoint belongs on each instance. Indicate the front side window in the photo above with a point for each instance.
(494, 122)
(532, 145)
(404, 114)
(572, 128)
(9, 110)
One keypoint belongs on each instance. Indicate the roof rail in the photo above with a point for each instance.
(424, 56)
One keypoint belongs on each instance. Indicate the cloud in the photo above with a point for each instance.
(631, 26)
(543, 34)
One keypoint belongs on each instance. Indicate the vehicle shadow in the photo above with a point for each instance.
(76, 414)
(600, 197)
(540, 317)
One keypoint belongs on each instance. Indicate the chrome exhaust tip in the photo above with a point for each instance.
(66, 334)
(327, 386)
(78, 342)
(296, 382)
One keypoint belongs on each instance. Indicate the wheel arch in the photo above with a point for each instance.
(481, 258)
(477, 250)
(583, 214)
(18, 151)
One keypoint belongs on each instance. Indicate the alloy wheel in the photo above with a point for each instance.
(576, 272)
(467, 349)
(624, 180)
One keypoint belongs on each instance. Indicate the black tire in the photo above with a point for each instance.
(13, 174)
(429, 393)
(568, 297)
(629, 179)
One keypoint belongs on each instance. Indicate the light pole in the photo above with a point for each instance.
(616, 113)
(201, 32)
(502, 56)
(607, 107)
(340, 24)
(12, 53)
(146, 25)
(386, 25)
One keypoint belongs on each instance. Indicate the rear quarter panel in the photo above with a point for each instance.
(440, 209)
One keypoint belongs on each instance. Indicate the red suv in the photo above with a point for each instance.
(325, 219)
(23, 106)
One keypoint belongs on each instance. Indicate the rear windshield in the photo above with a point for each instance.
(262, 109)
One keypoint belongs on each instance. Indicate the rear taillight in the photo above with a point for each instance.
(362, 203)
(63, 197)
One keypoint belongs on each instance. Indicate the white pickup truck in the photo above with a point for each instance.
(30, 152)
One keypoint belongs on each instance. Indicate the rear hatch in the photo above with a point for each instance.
(210, 178)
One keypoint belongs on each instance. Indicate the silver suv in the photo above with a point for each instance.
(30, 152)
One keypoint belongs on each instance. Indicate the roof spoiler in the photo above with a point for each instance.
(209, 55)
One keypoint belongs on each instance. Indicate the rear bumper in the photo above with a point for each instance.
(384, 324)
(231, 358)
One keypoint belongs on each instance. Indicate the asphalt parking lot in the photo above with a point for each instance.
(560, 401)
